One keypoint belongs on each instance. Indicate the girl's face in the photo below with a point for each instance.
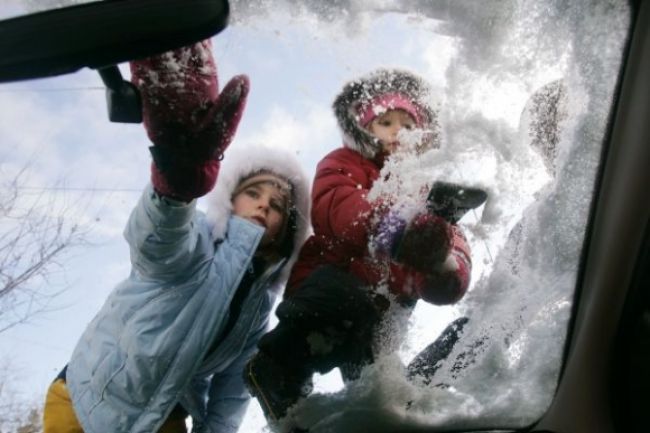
(263, 204)
(386, 127)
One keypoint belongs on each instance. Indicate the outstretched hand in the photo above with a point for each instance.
(189, 122)
(422, 244)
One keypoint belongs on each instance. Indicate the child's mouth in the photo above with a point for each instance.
(260, 221)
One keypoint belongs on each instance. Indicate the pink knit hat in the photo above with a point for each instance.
(387, 101)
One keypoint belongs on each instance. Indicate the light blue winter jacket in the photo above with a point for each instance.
(147, 348)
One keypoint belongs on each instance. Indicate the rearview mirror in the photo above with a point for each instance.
(100, 35)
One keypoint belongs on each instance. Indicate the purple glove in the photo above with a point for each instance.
(388, 232)
(188, 121)
(422, 244)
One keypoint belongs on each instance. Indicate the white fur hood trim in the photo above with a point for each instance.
(245, 160)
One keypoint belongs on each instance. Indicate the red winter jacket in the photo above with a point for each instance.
(341, 217)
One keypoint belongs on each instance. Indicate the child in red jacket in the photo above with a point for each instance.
(335, 298)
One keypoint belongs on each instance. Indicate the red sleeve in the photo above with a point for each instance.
(449, 284)
(340, 208)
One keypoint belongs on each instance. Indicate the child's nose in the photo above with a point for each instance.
(263, 204)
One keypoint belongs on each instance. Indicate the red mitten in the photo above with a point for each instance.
(425, 243)
(448, 282)
(189, 122)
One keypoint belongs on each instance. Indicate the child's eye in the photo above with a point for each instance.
(252, 193)
(277, 206)
(408, 126)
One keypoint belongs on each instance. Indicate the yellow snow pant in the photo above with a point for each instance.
(59, 416)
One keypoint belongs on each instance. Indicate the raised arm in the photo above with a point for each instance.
(190, 124)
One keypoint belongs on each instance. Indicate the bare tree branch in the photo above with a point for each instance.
(36, 236)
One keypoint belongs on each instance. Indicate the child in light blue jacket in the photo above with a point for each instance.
(172, 339)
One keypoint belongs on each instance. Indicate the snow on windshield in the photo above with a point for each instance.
(523, 93)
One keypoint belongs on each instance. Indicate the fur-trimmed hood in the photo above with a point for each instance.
(361, 91)
(239, 164)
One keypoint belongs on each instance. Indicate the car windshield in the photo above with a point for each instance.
(523, 92)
